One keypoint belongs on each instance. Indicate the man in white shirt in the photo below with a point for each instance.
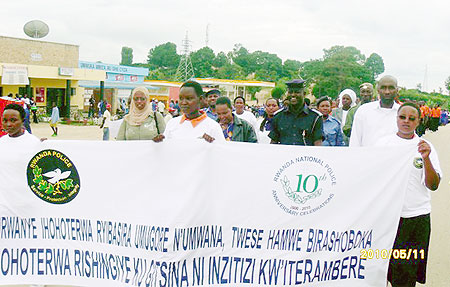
(376, 119)
(106, 122)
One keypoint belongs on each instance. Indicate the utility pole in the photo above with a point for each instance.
(207, 36)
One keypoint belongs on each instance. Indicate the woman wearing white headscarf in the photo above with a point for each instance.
(142, 123)
(347, 99)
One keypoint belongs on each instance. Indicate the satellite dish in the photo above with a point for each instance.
(36, 29)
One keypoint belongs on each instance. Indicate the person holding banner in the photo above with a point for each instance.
(194, 123)
(414, 229)
(12, 121)
(142, 123)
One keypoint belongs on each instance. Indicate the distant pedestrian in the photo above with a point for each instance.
(26, 122)
(54, 120)
(91, 107)
(34, 111)
(106, 122)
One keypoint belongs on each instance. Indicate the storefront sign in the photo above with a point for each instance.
(36, 57)
(66, 71)
(117, 69)
(15, 75)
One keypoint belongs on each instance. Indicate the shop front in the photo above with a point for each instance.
(117, 86)
(47, 85)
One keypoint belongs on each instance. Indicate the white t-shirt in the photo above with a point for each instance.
(372, 122)
(418, 196)
(249, 117)
(263, 136)
(107, 117)
(24, 140)
(175, 129)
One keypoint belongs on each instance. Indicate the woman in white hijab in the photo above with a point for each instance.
(142, 123)
(347, 99)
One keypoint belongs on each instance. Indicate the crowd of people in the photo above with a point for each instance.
(354, 122)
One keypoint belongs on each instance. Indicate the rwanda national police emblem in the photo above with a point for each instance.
(53, 177)
(303, 185)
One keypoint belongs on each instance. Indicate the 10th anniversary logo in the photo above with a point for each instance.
(52, 177)
(303, 185)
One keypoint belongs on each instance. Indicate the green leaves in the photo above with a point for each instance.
(43, 185)
(37, 171)
(66, 184)
(37, 179)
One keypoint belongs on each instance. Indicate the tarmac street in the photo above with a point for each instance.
(438, 273)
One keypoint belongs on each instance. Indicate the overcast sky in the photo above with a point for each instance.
(411, 36)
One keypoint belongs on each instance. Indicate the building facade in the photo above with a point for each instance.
(48, 72)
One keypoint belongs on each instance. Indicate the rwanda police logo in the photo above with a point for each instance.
(303, 185)
(418, 162)
(52, 177)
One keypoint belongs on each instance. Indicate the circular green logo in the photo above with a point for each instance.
(418, 162)
(52, 177)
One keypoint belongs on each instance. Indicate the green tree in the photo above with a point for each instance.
(220, 60)
(340, 68)
(375, 65)
(163, 61)
(266, 66)
(202, 61)
(291, 68)
(278, 92)
(241, 57)
(127, 56)
(230, 71)
(164, 56)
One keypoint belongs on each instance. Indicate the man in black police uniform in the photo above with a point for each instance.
(298, 124)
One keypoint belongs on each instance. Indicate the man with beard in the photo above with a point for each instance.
(297, 124)
(376, 119)
(366, 96)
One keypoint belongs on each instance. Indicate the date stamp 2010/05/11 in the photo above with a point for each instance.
(405, 254)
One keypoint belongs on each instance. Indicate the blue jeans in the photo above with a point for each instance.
(106, 134)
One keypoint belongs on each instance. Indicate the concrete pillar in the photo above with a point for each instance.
(68, 95)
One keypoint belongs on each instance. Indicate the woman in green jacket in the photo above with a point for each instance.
(142, 123)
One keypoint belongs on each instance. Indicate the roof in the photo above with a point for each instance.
(212, 81)
(114, 85)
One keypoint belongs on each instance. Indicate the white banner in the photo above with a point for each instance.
(15, 75)
(197, 214)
